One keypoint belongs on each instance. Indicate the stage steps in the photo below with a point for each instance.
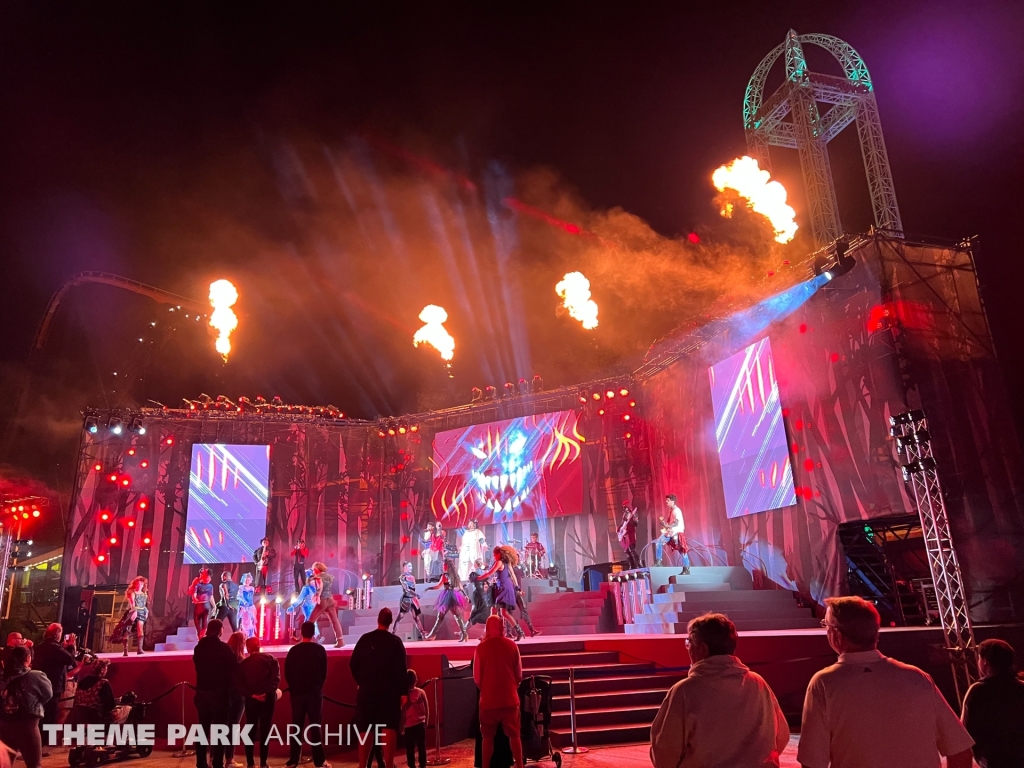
(678, 598)
(616, 698)
(184, 639)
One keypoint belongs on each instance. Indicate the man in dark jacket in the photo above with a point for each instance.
(259, 677)
(994, 707)
(216, 669)
(379, 667)
(23, 694)
(305, 671)
(54, 660)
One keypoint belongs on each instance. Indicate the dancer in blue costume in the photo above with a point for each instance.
(451, 600)
(308, 598)
(503, 592)
(247, 606)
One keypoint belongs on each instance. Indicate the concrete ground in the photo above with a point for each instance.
(460, 754)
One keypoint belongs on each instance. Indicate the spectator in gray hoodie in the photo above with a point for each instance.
(24, 693)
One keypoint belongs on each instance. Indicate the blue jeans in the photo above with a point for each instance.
(659, 548)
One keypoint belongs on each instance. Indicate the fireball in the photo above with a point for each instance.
(574, 289)
(223, 296)
(745, 177)
(434, 333)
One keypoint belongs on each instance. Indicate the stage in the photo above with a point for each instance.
(620, 679)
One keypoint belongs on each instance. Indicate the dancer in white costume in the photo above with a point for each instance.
(471, 549)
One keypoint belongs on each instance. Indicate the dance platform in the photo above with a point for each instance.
(620, 679)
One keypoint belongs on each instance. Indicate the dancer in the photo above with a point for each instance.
(299, 554)
(134, 620)
(263, 556)
(306, 600)
(471, 549)
(535, 553)
(426, 551)
(451, 600)
(410, 601)
(627, 534)
(201, 592)
(521, 602)
(676, 526)
(326, 602)
(481, 598)
(247, 606)
(227, 606)
(504, 590)
(438, 544)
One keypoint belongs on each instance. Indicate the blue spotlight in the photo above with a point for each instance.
(827, 274)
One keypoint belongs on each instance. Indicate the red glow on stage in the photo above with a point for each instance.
(693, 237)
(98, 467)
(625, 417)
(143, 504)
(809, 465)
(609, 394)
(147, 540)
(404, 516)
(404, 504)
(126, 481)
(834, 357)
(112, 478)
(628, 435)
(143, 464)
(131, 451)
(113, 541)
(803, 328)
(623, 391)
(169, 441)
(104, 516)
(35, 513)
(414, 552)
(601, 412)
(24, 515)
(597, 395)
(795, 447)
(130, 522)
(798, 424)
(405, 539)
(101, 558)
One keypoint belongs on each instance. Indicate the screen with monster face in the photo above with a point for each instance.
(752, 447)
(227, 502)
(516, 469)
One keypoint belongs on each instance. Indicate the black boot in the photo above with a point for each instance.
(462, 628)
(437, 625)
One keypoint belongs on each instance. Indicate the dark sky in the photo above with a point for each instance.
(209, 140)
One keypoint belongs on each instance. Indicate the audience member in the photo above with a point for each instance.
(55, 659)
(305, 671)
(215, 665)
(497, 671)
(414, 708)
(94, 698)
(868, 710)
(14, 640)
(994, 708)
(236, 701)
(23, 696)
(722, 714)
(259, 677)
(379, 667)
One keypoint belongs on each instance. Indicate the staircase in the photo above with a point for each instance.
(722, 589)
(184, 639)
(616, 700)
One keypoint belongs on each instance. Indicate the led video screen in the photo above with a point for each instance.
(227, 502)
(516, 469)
(752, 448)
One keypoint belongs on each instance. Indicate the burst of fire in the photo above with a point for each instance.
(574, 289)
(434, 333)
(223, 296)
(745, 177)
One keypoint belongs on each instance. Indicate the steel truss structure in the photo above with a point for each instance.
(913, 441)
(809, 130)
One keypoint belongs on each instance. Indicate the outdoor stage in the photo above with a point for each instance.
(621, 680)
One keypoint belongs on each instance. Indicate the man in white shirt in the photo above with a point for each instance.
(868, 710)
(471, 549)
(674, 528)
(722, 715)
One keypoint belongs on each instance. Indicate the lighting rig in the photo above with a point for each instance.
(260, 405)
(510, 390)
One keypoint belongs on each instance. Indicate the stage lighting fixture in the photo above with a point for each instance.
(35, 513)
(101, 558)
(136, 426)
(115, 425)
(130, 523)
(609, 394)
(91, 425)
(391, 431)
(921, 465)
(381, 434)
(105, 516)
(131, 451)
(583, 397)
(277, 402)
(625, 417)
(147, 540)
(112, 478)
(169, 440)
(144, 464)
(844, 262)
(908, 417)
(537, 385)
(623, 391)
(143, 504)
(596, 395)
(205, 401)
(414, 428)
(402, 429)
(476, 395)
(510, 389)
(98, 467)
(260, 400)
(628, 435)
(113, 541)
(600, 412)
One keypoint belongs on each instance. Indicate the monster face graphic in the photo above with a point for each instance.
(517, 469)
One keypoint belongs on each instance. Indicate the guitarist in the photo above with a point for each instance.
(627, 534)
(263, 556)
(673, 528)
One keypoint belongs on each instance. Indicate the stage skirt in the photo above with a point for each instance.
(450, 598)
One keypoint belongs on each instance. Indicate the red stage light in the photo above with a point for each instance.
(104, 516)
(404, 504)
(401, 467)
(803, 328)
(381, 433)
(597, 395)
(414, 552)
(632, 403)
(112, 478)
(610, 394)
(404, 516)
(24, 515)
(835, 357)
(21, 507)
(809, 464)
(101, 558)
(623, 391)
(98, 467)
(628, 435)
(414, 428)
(391, 431)
(401, 430)
(143, 464)
(583, 398)
(169, 441)
(601, 412)
(130, 523)
(693, 237)
(405, 539)
(143, 504)
(113, 540)
(625, 417)
(131, 451)
(126, 481)
(35, 513)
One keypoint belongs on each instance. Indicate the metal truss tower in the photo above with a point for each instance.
(914, 441)
(809, 131)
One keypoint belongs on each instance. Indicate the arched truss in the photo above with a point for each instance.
(808, 130)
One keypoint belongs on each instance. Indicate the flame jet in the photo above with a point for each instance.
(574, 289)
(434, 333)
(223, 296)
(745, 177)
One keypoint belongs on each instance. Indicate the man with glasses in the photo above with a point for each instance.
(722, 714)
(870, 710)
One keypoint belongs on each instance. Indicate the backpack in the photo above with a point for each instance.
(12, 700)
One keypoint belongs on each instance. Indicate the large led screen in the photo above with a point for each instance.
(752, 448)
(517, 469)
(227, 502)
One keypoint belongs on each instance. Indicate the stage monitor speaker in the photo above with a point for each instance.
(596, 574)
(69, 612)
(459, 697)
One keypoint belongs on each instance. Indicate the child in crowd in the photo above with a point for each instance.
(414, 712)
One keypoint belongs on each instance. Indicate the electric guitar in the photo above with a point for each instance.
(632, 515)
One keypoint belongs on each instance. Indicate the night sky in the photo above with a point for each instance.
(347, 168)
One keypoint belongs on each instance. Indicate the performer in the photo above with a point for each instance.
(227, 606)
(481, 597)
(326, 603)
(134, 620)
(451, 600)
(535, 553)
(627, 534)
(521, 602)
(247, 606)
(201, 592)
(438, 544)
(426, 551)
(299, 554)
(306, 602)
(410, 601)
(471, 549)
(504, 591)
(676, 527)
(263, 556)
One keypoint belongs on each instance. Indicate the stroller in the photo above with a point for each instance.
(535, 720)
(89, 757)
